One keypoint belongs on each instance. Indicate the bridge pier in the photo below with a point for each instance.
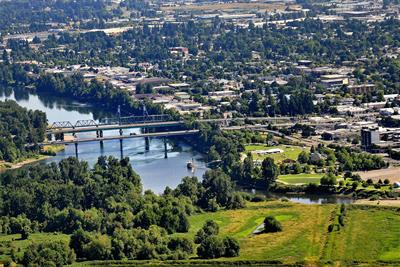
(101, 145)
(99, 133)
(121, 148)
(76, 150)
(165, 148)
(147, 143)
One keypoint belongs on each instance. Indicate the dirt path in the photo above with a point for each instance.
(393, 174)
(384, 202)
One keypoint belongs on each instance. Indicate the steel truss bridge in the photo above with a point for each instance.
(110, 121)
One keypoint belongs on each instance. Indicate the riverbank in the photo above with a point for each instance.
(48, 151)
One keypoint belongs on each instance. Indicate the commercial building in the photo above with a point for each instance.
(369, 136)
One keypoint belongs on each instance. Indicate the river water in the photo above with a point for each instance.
(155, 171)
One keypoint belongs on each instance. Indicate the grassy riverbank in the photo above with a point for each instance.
(48, 151)
(370, 235)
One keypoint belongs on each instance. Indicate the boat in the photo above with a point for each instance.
(190, 164)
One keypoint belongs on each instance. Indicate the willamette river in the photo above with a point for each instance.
(156, 171)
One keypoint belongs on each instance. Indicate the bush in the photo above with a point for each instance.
(386, 181)
(328, 180)
(210, 248)
(48, 254)
(374, 198)
(272, 225)
(341, 219)
(355, 185)
(232, 247)
(257, 198)
(183, 245)
(209, 228)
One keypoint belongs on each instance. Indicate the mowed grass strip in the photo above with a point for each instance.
(369, 234)
(302, 178)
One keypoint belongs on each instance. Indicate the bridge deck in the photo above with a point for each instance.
(114, 127)
(150, 124)
(107, 138)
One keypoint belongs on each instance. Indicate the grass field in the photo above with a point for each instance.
(13, 242)
(54, 149)
(371, 235)
(290, 152)
(302, 178)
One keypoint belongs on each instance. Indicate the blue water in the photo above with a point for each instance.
(156, 172)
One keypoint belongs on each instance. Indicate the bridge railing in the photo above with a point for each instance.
(111, 121)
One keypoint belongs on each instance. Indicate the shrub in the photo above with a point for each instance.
(210, 248)
(272, 225)
(374, 197)
(232, 247)
(257, 198)
(48, 254)
(341, 219)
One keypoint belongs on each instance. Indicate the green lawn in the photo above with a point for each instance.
(290, 152)
(370, 233)
(301, 239)
(10, 242)
(302, 178)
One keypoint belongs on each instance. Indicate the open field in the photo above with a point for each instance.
(393, 174)
(13, 242)
(305, 236)
(371, 235)
(290, 152)
(226, 6)
(302, 178)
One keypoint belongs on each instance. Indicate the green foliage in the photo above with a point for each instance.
(328, 179)
(18, 127)
(48, 254)
(272, 225)
(211, 247)
(270, 172)
(232, 247)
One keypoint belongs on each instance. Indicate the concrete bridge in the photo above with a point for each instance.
(59, 129)
(146, 136)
